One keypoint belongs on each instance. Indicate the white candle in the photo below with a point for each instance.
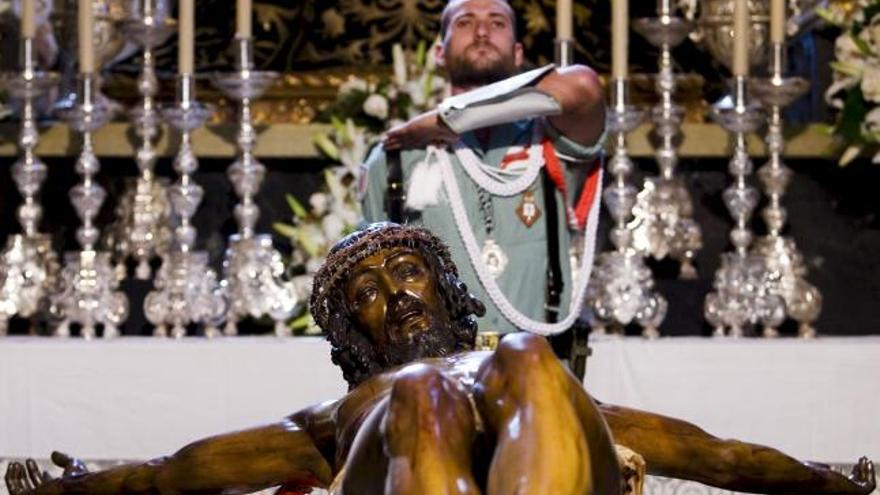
(777, 21)
(185, 34)
(244, 13)
(664, 8)
(564, 20)
(86, 37)
(28, 19)
(619, 38)
(741, 33)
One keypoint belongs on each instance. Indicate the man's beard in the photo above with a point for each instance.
(464, 73)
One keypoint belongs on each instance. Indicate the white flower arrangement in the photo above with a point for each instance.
(362, 112)
(855, 91)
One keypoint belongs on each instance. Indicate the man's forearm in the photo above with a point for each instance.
(579, 92)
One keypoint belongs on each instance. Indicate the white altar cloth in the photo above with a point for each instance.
(137, 398)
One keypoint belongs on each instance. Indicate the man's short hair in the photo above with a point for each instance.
(446, 16)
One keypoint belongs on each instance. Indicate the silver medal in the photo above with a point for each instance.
(494, 258)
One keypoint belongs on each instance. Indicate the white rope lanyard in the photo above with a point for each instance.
(492, 179)
(513, 315)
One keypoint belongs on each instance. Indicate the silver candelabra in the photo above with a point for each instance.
(663, 223)
(87, 292)
(186, 290)
(144, 231)
(803, 301)
(621, 289)
(28, 265)
(253, 270)
(742, 294)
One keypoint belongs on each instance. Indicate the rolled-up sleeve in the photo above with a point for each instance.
(572, 151)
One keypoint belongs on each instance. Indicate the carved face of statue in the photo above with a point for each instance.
(393, 299)
(389, 294)
(479, 46)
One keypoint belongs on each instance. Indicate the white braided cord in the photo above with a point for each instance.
(513, 315)
(491, 179)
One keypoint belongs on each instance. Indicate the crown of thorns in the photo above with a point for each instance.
(359, 245)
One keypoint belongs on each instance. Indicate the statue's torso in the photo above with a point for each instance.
(352, 410)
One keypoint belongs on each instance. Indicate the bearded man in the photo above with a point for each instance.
(427, 416)
(504, 171)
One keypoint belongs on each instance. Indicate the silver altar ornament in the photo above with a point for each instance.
(28, 274)
(186, 289)
(663, 224)
(803, 301)
(111, 45)
(743, 295)
(715, 30)
(620, 291)
(87, 292)
(143, 231)
(254, 275)
(28, 265)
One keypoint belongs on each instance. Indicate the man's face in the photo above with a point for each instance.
(393, 298)
(479, 47)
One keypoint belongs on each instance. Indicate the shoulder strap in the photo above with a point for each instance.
(554, 266)
(395, 196)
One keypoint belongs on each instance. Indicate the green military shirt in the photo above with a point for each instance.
(524, 280)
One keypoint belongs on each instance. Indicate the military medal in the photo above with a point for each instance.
(494, 257)
(528, 211)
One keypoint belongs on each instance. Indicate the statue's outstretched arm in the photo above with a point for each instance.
(240, 462)
(678, 449)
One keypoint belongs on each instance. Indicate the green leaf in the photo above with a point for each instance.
(852, 115)
(286, 230)
(421, 52)
(862, 45)
(296, 207)
(850, 154)
(301, 322)
(327, 146)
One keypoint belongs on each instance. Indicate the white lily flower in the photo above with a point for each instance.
(376, 105)
(332, 227)
(399, 62)
(353, 84)
(320, 203)
(871, 82)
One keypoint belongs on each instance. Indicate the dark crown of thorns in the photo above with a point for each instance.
(362, 244)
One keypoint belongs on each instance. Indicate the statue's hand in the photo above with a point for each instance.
(71, 465)
(863, 476)
(419, 132)
(25, 479)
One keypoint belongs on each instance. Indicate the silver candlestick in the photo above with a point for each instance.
(253, 270)
(564, 51)
(28, 265)
(621, 288)
(87, 294)
(144, 231)
(803, 301)
(186, 291)
(742, 296)
(663, 223)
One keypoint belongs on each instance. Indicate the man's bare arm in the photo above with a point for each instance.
(579, 92)
(240, 462)
(575, 88)
(678, 449)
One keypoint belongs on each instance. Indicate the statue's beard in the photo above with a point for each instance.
(436, 340)
(465, 73)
